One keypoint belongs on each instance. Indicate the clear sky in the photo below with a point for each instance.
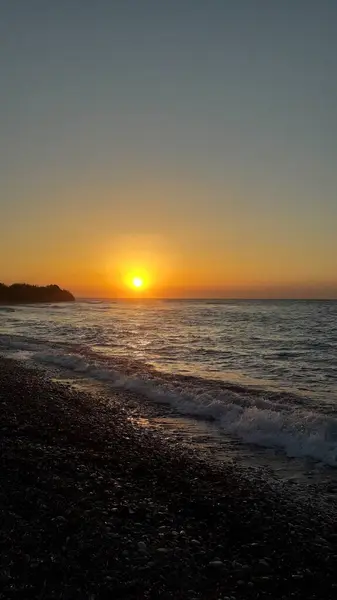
(193, 142)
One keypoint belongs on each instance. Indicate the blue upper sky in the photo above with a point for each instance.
(204, 130)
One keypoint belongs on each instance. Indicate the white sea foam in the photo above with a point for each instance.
(254, 419)
(294, 430)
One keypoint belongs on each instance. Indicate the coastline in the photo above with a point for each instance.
(10, 303)
(92, 505)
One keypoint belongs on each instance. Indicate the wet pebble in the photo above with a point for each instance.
(142, 546)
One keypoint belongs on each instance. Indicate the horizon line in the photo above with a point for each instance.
(236, 299)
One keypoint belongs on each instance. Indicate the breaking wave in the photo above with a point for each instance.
(291, 424)
(251, 418)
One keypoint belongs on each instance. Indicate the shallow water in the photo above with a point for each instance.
(264, 372)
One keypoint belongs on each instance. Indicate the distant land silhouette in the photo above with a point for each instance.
(24, 293)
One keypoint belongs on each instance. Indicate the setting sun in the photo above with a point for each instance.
(137, 282)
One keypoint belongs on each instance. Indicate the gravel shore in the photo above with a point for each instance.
(93, 506)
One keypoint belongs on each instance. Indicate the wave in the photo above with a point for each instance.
(58, 306)
(98, 303)
(7, 309)
(284, 354)
(253, 419)
(260, 417)
(18, 342)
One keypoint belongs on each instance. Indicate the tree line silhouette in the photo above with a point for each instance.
(25, 293)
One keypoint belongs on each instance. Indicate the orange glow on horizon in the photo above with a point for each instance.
(150, 265)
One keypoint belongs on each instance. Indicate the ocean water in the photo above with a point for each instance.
(264, 372)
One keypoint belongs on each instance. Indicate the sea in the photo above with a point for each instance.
(254, 381)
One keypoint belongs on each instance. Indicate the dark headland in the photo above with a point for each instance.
(92, 506)
(24, 293)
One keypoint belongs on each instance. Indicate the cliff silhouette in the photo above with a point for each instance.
(25, 293)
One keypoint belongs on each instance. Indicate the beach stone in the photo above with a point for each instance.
(216, 563)
(142, 546)
(244, 570)
(263, 565)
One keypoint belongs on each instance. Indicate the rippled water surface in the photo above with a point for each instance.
(266, 371)
(286, 343)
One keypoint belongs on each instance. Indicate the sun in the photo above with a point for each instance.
(137, 282)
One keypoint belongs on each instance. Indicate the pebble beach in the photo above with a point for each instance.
(93, 506)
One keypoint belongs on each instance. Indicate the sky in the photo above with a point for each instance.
(189, 142)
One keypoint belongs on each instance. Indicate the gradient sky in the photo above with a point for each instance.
(194, 139)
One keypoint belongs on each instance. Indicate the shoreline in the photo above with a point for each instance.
(93, 505)
(206, 439)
